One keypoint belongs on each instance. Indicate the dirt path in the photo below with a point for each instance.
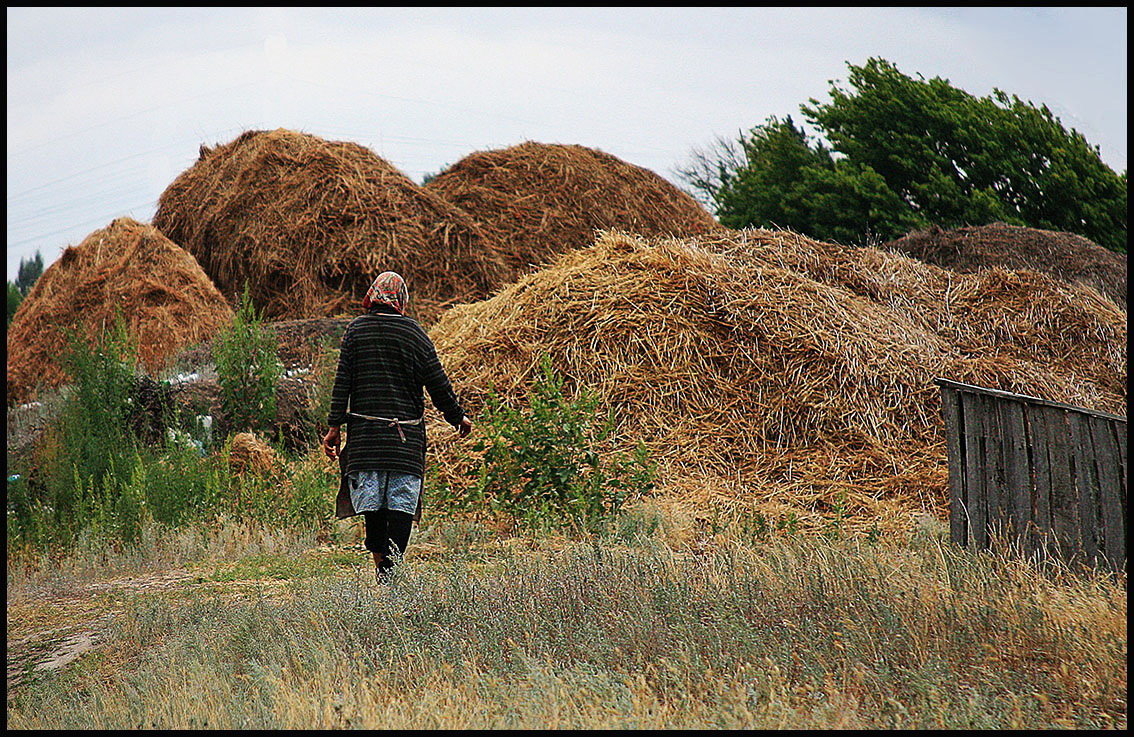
(46, 632)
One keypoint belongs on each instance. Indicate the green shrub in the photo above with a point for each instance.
(179, 484)
(79, 464)
(546, 465)
(14, 299)
(248, 369)
(323, 368)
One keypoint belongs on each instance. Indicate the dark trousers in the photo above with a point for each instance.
(388, 534)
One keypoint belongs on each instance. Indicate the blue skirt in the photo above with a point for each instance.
(371, 491)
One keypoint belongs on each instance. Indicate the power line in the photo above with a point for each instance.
(102, 219)
(119, 119)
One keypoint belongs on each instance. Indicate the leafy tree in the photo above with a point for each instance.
(789, 182)
(907, 152)
(30, 270)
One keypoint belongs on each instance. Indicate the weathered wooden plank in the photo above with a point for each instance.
(976, 504)
(1063, 497)
(954, 429)
(1036, 475)
(994, 472)
(1041, 477)
(1086, 487)
(1017, 477)
(1120, 434)
(972, 389)
(1112, 523)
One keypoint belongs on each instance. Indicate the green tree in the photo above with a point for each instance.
(791, 182)
(30, 270)
(904, 152)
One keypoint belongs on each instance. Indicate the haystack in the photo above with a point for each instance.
(1027, 324)
(308, 223)
(537, 200)
(758, 386)
(164, 297)
(1066, 256)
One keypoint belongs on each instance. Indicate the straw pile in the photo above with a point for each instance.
(250, 454)
(1021, 331)
(163, 295)
(537, 200)
(1066, 256)
(309, 223)
(772, 373)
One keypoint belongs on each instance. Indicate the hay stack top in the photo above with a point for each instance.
(537, 200)
(1065, 256)
(164, 297)
(309, 223)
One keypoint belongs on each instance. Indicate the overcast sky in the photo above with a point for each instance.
(106, 106)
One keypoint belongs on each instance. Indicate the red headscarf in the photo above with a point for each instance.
(390, 288)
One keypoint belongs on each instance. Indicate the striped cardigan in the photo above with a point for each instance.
(384, 362)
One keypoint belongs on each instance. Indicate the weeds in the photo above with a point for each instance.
(548, 466)
(248, 369)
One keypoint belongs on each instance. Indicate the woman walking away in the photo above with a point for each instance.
(384, 361)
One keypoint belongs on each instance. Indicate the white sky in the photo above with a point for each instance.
(106, 106)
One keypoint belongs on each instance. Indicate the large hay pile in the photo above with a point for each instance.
(771, 372)
(537, 200)
(165, 298)
(309, 223)
(1026, 332)
(1065, 256)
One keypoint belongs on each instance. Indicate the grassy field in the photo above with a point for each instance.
(235, 626)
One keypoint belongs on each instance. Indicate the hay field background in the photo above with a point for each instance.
(791, 568)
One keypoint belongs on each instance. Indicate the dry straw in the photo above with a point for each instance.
(308, 224)
(771, 373)
(249, 454)
(537, 200)
(130, 268)
(1066, 256)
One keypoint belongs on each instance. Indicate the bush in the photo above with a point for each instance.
(544, 465)
(77, 468)
(248, 369)
(14, 299)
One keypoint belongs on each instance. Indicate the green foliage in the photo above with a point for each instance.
(15, 297)
(29, 271)
(909, 152)
(544, 465)
(92, 474)
(789, 183)
(87, 452)
(323, 370)
(248, 368)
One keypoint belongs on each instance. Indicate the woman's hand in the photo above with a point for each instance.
(465, 427)
(331, 442)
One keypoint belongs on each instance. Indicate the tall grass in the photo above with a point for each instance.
(792, 632)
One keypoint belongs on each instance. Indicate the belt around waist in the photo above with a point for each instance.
(390, 422)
